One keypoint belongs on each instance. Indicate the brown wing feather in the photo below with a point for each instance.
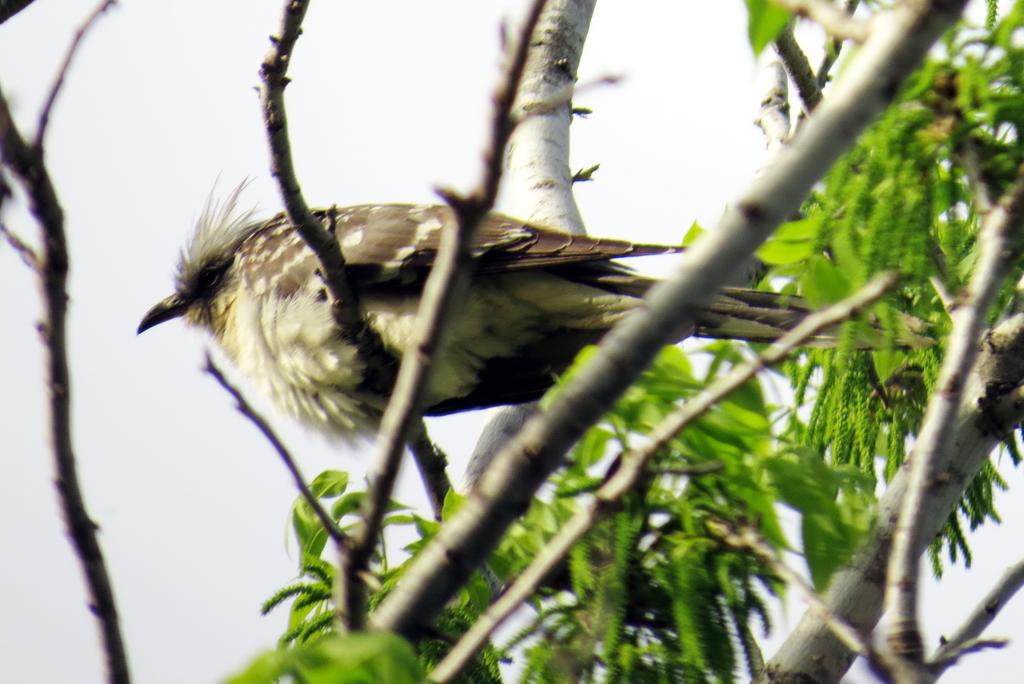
(398, 243)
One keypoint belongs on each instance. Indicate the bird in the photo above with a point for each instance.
(537, 297)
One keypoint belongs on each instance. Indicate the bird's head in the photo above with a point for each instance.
(205, 272)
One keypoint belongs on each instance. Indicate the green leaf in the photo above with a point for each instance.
(692, 234)
(309, 533)
(765, 20)
(347, 504)
(477, 593)
(823, 283)
(792, 242)
(358, 658)
(827, 545)
(266, 668)
(831, 527)
(329, 483)
(452, 502)
(592, 447)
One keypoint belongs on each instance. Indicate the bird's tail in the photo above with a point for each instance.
(754, 316)
(757, 316)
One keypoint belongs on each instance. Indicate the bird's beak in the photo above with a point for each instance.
(171, 307)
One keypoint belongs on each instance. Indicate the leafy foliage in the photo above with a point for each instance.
(902, 199)
(765, 20)
(349, 659)
(652, 593)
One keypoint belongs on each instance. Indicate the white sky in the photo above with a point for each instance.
(388, 100)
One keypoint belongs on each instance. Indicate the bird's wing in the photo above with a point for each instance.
(397, 243)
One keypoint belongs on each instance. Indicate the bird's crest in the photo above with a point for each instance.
(219, 231)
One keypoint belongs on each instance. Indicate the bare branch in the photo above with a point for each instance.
(897, 43)
(246, 409)
(798, 67)
(432, 464)
(498, 431)
(774, 116)
(538, 179)
(940, 665)
(980, 618)
(694, 470)
(8, 8)
(833, 19)
(747, 538)
(833, 48)
(347, 313)
(23, 249)
(69, 56)
(442, 293)
(629, 468)
(999, 240)
(27, 164)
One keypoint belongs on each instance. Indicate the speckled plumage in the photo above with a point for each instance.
(537, 297)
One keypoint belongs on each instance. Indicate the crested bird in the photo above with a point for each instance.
(537, 297)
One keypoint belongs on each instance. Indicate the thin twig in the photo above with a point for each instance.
(28, 165)
(833, 48)
(833, 19)
(23, 249)
(980, 189)
(998, 243)
(980, 618)
(69, 56)
(692, 470)
(872, 80)
(940, 665)
(748, 538)
(798, 67)
(629, 468)
(246, 409)
(346, 311)
(443, 291)
(432, 464)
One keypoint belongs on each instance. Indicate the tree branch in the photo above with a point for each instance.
(246, 409)
(898, 41)
(836, 22)
(442, 294)
(774, 117)
(630, 467)
(999, 241)
(832, 49)
(27, 163)
(8, 8)
(748, 539)
(347, 313)
(51, 98)
(798, 67)
(538, 179)
(432, 464)
(980, 618)
(21, 248)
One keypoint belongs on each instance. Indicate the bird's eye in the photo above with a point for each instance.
(210, 277)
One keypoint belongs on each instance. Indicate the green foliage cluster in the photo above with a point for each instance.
(652, 593)
(903, 199)
(655, 593)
